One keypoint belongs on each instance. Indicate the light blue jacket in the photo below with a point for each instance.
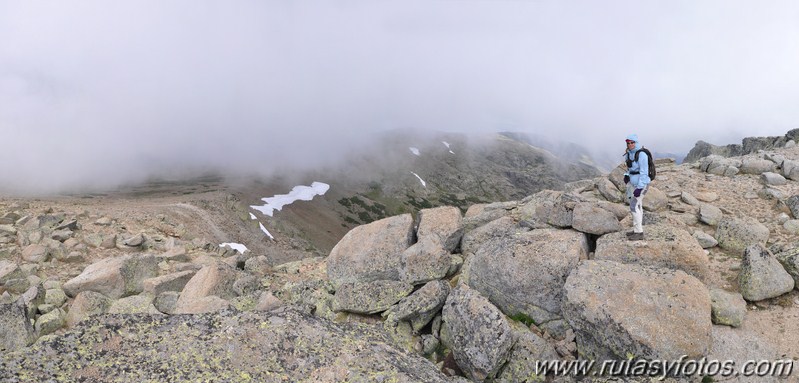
(641, 166)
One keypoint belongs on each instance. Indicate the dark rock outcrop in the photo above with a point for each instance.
(748, 145)
(704, 149)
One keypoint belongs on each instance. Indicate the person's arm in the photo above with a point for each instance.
(626, 172)
(643, 169)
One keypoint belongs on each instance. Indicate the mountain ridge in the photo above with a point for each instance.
(531, 265)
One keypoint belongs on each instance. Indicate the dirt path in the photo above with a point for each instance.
(202, 215)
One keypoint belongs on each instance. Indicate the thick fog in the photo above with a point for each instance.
(94, 93)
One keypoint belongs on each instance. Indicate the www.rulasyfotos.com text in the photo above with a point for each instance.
(665, 368)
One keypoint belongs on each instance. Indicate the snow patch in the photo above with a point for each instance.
(266, 231)
(414, 150)
(298, 193)
(447, 145)
(235, 246)
(420, 179)
(252, 216)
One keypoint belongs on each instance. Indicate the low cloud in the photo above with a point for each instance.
(94, 93)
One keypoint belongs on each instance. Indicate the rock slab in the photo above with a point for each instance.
(282, 345)
(665, 246)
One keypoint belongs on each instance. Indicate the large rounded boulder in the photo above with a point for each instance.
(736, 234)
(592, 219)
(762, 276)
(371, 252)
(524, 273)
(619, 311)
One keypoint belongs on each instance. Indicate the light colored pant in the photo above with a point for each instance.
(636, 208)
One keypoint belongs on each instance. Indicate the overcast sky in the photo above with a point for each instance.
(95, 92)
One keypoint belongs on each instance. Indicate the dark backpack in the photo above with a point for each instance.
(651, 161)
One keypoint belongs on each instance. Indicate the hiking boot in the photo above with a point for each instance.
(629, 233)
(636, 237)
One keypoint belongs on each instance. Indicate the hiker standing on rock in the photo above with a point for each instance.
(637, 180)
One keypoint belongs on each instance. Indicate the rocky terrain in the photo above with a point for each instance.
(748, 145)
(133, 286)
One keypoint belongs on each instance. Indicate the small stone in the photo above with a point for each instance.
(71, 243)
(10, 270)
(46, 308)
(770, 178)
(134, 304)
(70, 225)
(55, 297)
(7, 230)
(74, 257)
(166, 302)
(17, 285)
(706, 196)
(34, 280)
(109, 242)
(792, 226)
(135, 241)
(727, 308)
(35, 253)
(51, 284)
(673, 193)
(50, 322)
(705, 240)
(267, 302)
(23, 220)
(258, 265)
(429, 344)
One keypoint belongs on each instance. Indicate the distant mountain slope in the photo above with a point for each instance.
(404, 172)
(678, 158)
(564, 150)
(578, 153)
